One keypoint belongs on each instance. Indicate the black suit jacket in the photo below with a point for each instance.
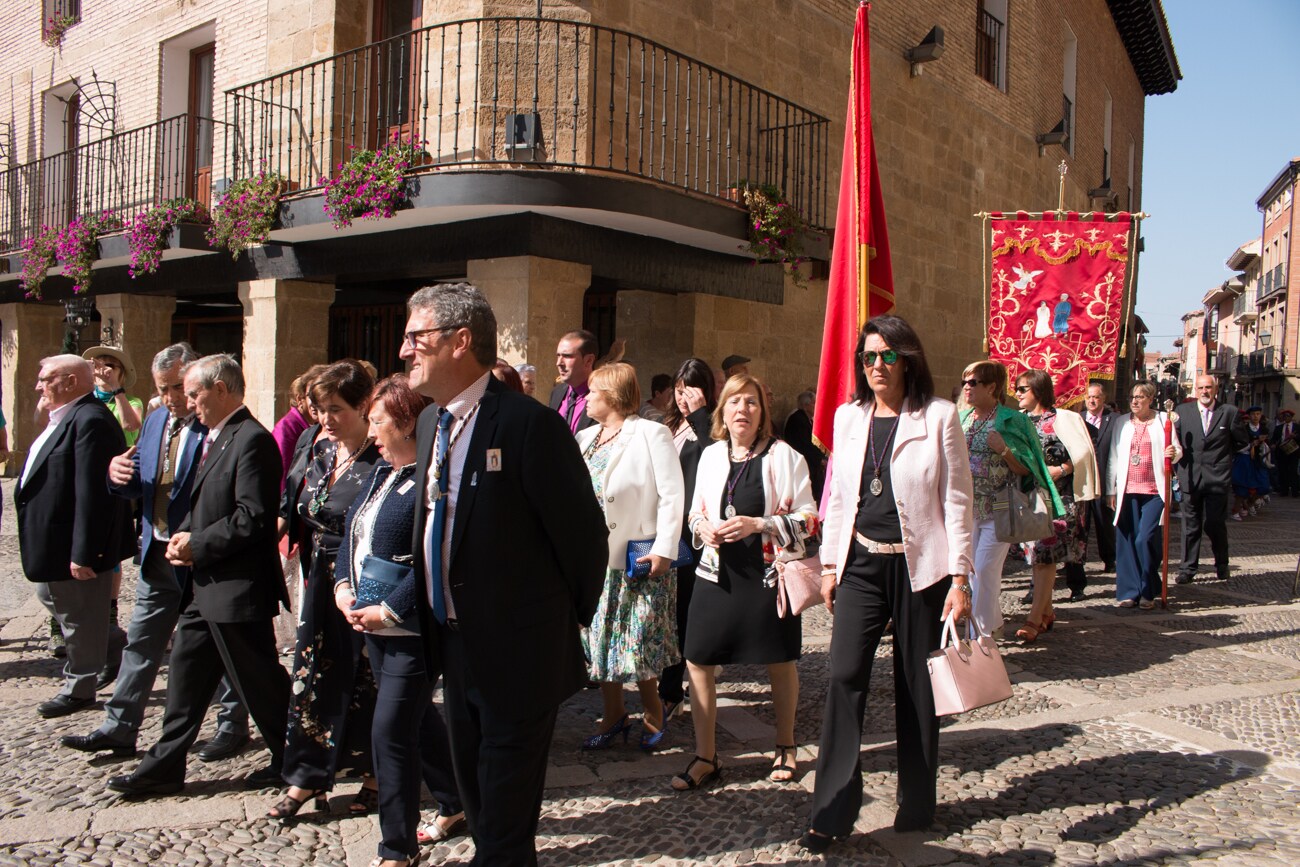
(557, 398)
(65, 511)
(1206, 465)
(1101, 435)
(237, 575)
(528, 553)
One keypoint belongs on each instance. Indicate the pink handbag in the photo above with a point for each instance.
(966, 674)
(798, 585)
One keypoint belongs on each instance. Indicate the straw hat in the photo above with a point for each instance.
(128, 369)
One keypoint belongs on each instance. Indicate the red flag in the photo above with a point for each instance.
(861, 279)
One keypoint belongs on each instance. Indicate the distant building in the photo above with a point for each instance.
(1271, 375)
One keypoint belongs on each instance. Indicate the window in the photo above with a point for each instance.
(1105, 143)
(57, 16)
(991, 42)
(1071, 53)
(1132, 172)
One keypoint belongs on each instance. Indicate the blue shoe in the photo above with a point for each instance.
(605, 740)
(651, 741)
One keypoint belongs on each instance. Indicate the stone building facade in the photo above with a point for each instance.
(622, 218)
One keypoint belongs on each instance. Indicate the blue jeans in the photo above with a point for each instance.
(1137, 547)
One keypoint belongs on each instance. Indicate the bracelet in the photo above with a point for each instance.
(1006, 450)
(964, 587)
(342, 585)
(119, 391)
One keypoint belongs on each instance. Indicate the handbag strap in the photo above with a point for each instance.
(950, 631)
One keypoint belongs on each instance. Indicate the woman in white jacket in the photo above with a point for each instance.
(1135, 490)
(638, 482)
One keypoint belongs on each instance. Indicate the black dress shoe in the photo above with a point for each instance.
(142, 787)
(815, 843)
(97, 742)
(1223, 573)
(62, 705)
(1184, 578)
(1028, 598)
(223, 746)
(107, 675)
(271, 776)
(1108, 567)
(904, 824)
(1077, 596)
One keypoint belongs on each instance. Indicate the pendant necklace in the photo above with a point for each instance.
(321, 492)
(1141, 433)
(977, 424)
(730, 511)
(598, 443)
(877, 487)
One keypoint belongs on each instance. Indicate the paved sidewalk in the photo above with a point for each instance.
(1133, 738)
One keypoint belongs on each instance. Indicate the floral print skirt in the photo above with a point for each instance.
(633, 636)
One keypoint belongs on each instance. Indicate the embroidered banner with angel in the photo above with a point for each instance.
(1056, 295)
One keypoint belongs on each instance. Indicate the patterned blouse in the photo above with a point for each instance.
(989, 472)
(1141, 478)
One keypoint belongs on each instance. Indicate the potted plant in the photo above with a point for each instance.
(775, 228)
(245, 215)
(38, 258)
(54, 28)
(77, 246)
(371, 185)
(151, 230)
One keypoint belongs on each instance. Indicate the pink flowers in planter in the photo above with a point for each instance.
(246, 214)
(149, 232)
(371, 185)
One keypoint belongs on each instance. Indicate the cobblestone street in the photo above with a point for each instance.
(1133, 737)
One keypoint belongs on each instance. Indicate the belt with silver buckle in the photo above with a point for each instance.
(874, 547)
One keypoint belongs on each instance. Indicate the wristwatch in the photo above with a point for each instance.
(964, 587)
(119, 391)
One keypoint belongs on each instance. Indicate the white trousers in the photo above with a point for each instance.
(986, 580)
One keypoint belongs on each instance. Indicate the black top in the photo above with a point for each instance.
(877, 517)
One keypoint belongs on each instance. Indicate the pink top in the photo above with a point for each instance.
(1141, 477)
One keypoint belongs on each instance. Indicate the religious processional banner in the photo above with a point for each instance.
(1056, 296)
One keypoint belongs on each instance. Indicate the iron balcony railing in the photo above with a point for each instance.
(1258, 362)
(988, 42)
(547, 93)
(126, 173)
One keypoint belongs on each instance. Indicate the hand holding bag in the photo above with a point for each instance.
(638, 548)
(378, 578)
(798, 585)
(966, 674)
(1021, 517)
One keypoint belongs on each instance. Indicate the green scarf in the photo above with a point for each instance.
(1021, 437)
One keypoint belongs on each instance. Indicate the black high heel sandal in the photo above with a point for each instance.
(782, 767)
(366, 800)
(289, 806)
(816, 843)
(688, 782)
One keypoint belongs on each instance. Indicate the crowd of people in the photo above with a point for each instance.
(456, 522)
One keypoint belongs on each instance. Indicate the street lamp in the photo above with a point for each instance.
(1265, 338)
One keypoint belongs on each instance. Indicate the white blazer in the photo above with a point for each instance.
(930, 471)
(643, 489)
(1121, 442)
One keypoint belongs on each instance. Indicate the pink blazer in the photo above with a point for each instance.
(932, 490)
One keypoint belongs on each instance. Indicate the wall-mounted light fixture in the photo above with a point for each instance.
(930, 48)
(1057, 135)
(1265, 338)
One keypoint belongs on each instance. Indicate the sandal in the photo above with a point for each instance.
(409, 862)
(783, 771)
(436, 833)
(1029, 632)
(288, 806)
(366, 800)
(1048, 620)
(684, 782)
(816, 843)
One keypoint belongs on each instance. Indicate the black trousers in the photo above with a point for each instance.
(875, 589)
(500, 762)
(202, 653)
(670, 683)
(1288, 473)
(1101, 520)
(1206, 513)
(403, 753)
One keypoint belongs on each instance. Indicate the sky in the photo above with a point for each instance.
(1212, 146)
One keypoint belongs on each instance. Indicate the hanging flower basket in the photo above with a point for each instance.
(77, 246)
(246, 214)
(151, 231)
(55, 27)
(775, 228)
(38, 258)
(371, 185)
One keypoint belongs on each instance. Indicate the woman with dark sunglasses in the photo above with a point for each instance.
(896, 545)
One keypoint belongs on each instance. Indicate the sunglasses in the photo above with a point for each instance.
(1021, 389)
(889, 356)
(972, 383)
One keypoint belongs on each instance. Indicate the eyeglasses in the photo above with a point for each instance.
(1021, 389)
(412, 336)
(972, 383)
(889, 356)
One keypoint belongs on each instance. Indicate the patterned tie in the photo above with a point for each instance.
(433, 543)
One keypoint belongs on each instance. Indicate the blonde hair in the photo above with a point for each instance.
(618, 383)
(989, 373)
(1146, 389)
(733, 386)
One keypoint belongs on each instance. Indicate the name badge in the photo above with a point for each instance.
(493, 461)
(406, 486)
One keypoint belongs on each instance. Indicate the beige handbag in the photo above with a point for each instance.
(799, 585)
(966, 674)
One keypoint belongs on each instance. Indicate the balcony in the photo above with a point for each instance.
(1273, 280)
(127, 173)
(549, 99)
(1261, 362)
(1220, 361)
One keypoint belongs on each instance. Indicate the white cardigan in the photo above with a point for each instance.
(930, 473)
(1121, 443)
(643, 489)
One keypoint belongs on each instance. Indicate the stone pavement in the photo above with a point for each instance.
(1133, 738)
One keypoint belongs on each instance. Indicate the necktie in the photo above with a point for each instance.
(438, 523)
(1205, 421)
(573, 404)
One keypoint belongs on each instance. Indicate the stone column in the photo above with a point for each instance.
(30, 332)
(286, 330)
(141, 325)
(535, 300)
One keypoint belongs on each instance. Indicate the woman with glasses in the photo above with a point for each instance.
(896, 546)
(333, 696)
(1135, 490)
(1072, 469)
(1004, 450)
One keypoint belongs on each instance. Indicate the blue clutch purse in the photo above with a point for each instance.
(378, 578)
(638, 548)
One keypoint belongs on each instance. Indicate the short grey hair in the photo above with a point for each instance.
(73, 364)
(525, 368)
(805, 398)
(1145, 389)
(461, 305)
(211, 369)
(170, 356)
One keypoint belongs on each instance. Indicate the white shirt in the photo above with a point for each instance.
(1094, 420)
(215, 431)
(462, 428)
(56, 416)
